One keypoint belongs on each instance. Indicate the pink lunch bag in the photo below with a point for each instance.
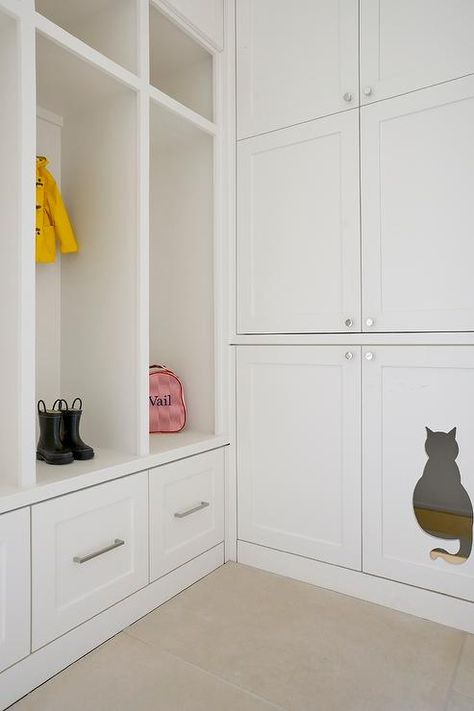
(167, 405)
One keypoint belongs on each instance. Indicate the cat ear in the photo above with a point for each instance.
(452, 433)
(428, 431)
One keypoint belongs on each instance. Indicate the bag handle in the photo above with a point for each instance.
(161, 368)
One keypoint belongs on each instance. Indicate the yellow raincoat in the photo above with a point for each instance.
(52, 220)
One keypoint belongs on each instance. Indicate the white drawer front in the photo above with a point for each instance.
(14, 587)
(186, 510)
(80, 565)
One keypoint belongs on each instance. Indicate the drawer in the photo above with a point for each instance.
(186, 510)
(90, 550)
(14, 587)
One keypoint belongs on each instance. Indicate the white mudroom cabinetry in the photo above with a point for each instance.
(129, 103)
(298, 413)
(354, 328)
(275, 200)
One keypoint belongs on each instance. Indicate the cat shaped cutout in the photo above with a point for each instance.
(442, 505)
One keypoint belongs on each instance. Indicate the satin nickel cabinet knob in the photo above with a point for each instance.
(368, 91)
(369, 322)
(349, 322)
(348, 355)
(369, 355)
(348, 97)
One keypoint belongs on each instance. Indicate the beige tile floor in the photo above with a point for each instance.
(245, 640)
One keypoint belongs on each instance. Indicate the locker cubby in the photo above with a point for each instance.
(181, 266)
(10, 206)
(179, 65)
(109, 26)
(86, 303)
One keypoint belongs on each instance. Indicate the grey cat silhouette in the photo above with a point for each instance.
(442, 505)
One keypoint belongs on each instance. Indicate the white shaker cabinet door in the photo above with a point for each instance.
(417, 162)
(298, 228)
(295, 61)
(206, 16)
(410, 44)
(15, 605)
(418, 436)
(299, 450)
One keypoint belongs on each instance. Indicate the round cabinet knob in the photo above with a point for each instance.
(349, 355)
(349, 322)
(368, 91)
(348, 97)
(369, 322)
(369, 355)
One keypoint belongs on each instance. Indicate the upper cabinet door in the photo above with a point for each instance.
(409, 44)
(418, 210)
(295, 61)
(298, 228)
(299, 450)
(418, 470)
(205, 16)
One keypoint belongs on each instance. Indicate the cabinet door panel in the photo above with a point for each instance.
(186, 510)
(299, 450)
(295, 61)
(406, 390)
(15, 603)
(90, 550)
(298, 228)
(418, 211)
(410, 44)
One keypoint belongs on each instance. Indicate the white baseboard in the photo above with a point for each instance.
(415, 601)
(35, 669)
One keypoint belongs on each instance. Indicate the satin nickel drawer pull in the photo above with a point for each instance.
(84, 558)
(188, 512)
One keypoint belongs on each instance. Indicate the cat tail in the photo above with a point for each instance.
(461, 556)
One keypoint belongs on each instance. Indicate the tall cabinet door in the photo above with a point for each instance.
(410, 44)
(418, 477)
(417, 160)
(299, 450)
(295, 61)
(298, 228)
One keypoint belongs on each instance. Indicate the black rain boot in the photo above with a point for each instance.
(50, 448)
(70, 432)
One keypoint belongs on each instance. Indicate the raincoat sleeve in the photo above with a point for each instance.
(60, 219)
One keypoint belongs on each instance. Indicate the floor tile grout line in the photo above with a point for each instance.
(217, 677)
(455, 671)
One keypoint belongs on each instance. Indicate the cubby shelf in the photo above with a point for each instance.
(180, 66)
(82, 50)
(167, 102)
(86, 323)
(95, 314)
(108, 26)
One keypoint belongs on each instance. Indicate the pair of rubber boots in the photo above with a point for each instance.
(60, 441)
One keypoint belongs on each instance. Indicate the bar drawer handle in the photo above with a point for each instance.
(188, 512)
(84, 558)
